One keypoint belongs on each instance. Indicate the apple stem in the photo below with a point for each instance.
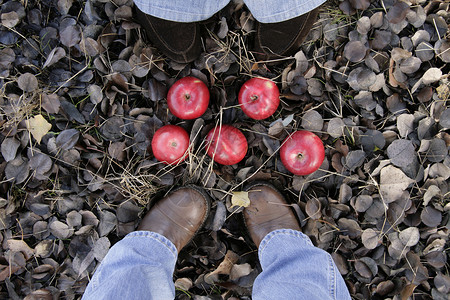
(300, 155)
(254, 97)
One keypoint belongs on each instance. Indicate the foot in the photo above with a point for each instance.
(178, 216)
(275, 40)
(178, 41)
(268, 211)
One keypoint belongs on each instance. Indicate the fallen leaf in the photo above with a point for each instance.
(313, 208)
(6, 272)
(410, 236)
(116, 150)
(392, 183)
(442, 283)
(312, 121)
(60, 230)
(40, 163)
(9, 148)
(397, 12)
(407, 291)
(431, 75)
(72, 112)
(360, 4)
(108, 221)
(410, 65)
(21, 246)
(67, 139)
(354, 159)
(51, 103)
(219, 217)
(17, 169)
(437, 150)
(432, 191)
(38, 127)
(385, 287)
(349, 227)
(238, 271)
(82, 261)
(431, 216)
(336, 127)
(70, 36)
(401, 153)
(101, 248)
(95, 93)
(183, 284)
(366, 267)
(27, 82)
(370, 238)
(372, 140)
(10, 19)
(73, 219)
(240, 199)
(224, 268)
(43, 294)
(444, 119)
(355, 51)
(55, 55)
(363, 202)
(405, 124)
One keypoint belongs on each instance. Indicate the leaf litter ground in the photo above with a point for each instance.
(82, 92)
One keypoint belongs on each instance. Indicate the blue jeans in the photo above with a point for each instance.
(141, 265)
(264, 11)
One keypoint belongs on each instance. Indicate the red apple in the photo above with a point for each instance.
(227, 145)
(302, 152)
(188, 98)
(259, 98)
(170, 144)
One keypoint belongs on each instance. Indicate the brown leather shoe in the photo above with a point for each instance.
(178, 216)
(274, 40)
(178, 41)
(268, 211)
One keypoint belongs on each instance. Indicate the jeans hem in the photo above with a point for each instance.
(291, 232)
(155, 236)
(182, 16)
(138, 235)
(262, 11)
(287, 14)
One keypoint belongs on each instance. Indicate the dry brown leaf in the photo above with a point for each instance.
(240, 199)
(20, 246)
(6, 272)
(238, 271)
(407, 291)
(392, 183)
(224, 268)
(38, 127)
(10, 19)
(27, 82)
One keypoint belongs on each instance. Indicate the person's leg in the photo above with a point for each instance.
(292, 268)
(295, 269)
(282, 25)
(141, 265)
